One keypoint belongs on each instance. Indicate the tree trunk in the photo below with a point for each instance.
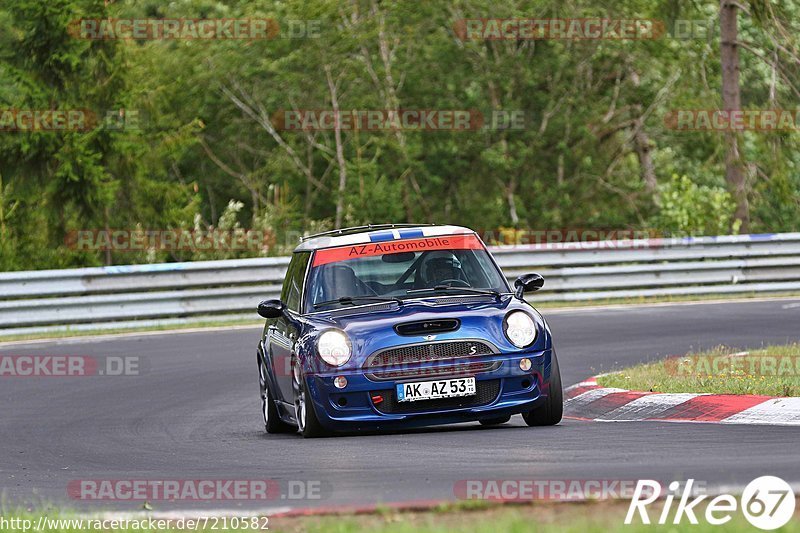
(106, 224)
(731, 100)
(647, 170)
(2, 212)
(340, 161)
(512, 205)
(641, 142)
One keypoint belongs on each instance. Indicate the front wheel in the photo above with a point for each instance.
(549, 413)
(307, 421)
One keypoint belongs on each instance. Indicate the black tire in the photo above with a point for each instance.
(307, 422)
(549, 413)
(269, 411)
(495, 421)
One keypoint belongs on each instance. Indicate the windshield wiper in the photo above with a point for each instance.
(442, 288)
(353, 299)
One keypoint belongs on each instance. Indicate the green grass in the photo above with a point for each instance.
(771, 371)
(570, 518)
(587, 517)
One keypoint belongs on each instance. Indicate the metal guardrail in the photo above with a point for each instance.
(88, 298)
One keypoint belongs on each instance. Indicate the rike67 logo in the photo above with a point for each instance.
(767, 502)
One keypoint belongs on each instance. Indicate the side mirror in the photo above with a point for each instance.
(528, 283)
(271, 308)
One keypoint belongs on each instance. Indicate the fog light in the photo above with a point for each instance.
(525, 364)
(340, 382)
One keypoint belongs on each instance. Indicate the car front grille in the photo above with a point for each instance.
(426, 352)
(486, 392)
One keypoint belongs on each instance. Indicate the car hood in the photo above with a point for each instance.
(371, 328)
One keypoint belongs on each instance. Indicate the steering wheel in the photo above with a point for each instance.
(451, 282)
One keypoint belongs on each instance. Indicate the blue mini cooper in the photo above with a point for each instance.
(401, 326)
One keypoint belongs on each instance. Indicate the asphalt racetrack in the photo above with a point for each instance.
(194, 413)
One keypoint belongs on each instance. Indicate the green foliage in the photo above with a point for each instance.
(203, 154)
(689, 209)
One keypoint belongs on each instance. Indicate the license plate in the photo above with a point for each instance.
(433, 390)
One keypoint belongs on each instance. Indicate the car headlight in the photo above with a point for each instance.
(334, 347)
(520, 329)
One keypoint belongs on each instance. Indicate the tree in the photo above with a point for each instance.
(731, 100)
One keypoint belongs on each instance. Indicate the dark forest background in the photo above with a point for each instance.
(595, 150)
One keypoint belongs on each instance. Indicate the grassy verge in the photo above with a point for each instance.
(587, 517)
(590, 517)
(256, 322)
(771, 371)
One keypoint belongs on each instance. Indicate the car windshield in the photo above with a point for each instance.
(400, 269)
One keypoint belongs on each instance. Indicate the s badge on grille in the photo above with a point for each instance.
(473, 349)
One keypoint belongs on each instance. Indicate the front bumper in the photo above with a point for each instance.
(503, 391)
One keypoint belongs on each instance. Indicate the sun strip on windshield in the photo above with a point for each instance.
(447, 242)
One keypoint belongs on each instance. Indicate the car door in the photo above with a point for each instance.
(284, 332)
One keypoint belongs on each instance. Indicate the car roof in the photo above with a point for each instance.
(377, 233)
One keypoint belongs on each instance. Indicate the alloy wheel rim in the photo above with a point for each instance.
(300, 411)
(300, 397)
(264, 395)
(265, 409)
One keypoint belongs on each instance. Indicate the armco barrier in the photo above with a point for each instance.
(87, 298)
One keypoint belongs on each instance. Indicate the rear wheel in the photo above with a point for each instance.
(495, 421)
(549, 413)
(307, 421)
(272, 419)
